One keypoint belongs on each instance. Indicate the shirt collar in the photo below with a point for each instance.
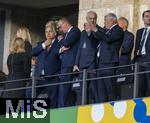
(112, 26)
(148, 28)
(69, 29)
(53, 41)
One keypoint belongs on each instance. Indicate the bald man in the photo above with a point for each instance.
(127, 45)
(87, 49)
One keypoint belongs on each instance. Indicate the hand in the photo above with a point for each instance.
(75, 68)
(47, 43)
(87, 27)
(60, 37)
(93, 27)
(63, 49)
(34, 61)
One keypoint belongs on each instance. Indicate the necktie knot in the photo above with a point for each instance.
(146, 30)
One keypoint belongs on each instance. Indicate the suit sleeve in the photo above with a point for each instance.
(128, 44)
(71, 38)
(38, 49)
(136, 46)
(115, 35)
(78, 54)
(57, 51)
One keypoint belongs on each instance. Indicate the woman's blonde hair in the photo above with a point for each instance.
(17, 46)
(25, 34)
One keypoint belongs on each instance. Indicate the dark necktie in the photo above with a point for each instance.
(142, 41)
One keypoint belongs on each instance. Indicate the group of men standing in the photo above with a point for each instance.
(96, 49)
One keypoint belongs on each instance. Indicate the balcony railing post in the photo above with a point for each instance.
(33, 82)
(84, 87)
(136, 80)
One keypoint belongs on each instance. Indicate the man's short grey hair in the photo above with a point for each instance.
(91, 12)
(112, 16)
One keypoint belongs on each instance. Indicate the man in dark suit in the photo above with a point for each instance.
(127, 45)
(86, 55)
(110, 40)
(142, 54)
(48, 63)
(124, 59)
(68, 51)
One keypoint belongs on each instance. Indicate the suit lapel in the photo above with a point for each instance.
(148, 41)
(67, 33)
(139, 37)
(148, 38)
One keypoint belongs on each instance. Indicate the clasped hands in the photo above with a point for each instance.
(47, 43)
(89, 27)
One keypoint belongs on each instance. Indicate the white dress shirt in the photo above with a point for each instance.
(143, 52)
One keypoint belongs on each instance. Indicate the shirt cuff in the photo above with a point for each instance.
(60, 51)
(43, 45)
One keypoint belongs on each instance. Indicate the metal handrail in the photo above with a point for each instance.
(96, 78)
(72, 73)
(85, 79)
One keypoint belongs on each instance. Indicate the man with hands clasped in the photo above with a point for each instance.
(86, 55)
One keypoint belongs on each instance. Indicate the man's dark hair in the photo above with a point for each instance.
(145, 12)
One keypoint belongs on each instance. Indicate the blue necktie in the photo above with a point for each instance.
(142, 41)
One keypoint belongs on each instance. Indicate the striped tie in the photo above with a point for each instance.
(142, 41)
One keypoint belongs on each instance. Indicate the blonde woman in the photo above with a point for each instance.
(18, 68)
(23, 32)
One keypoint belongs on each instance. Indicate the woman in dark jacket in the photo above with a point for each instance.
(18, 65)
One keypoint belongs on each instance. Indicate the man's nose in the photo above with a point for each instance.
(92, 20)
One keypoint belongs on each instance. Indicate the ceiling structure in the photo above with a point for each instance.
(39, 4)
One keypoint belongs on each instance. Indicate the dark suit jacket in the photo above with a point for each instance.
(110, 43)
(126, 48)
(86, 54)
(137, 44)
(71, 40)
(47, 60)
